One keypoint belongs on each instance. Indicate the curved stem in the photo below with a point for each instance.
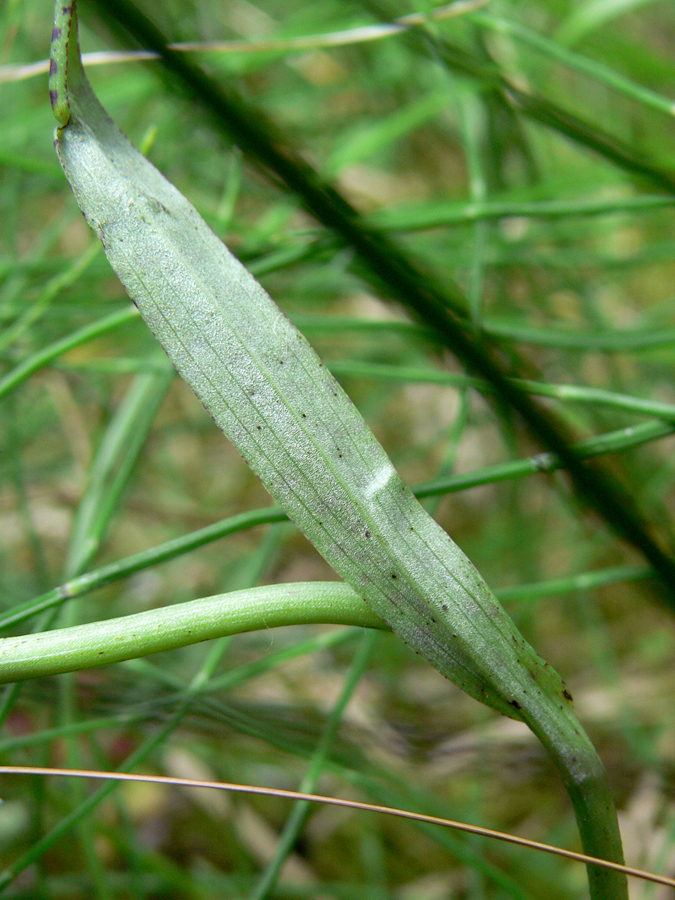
(588, 787)
(128, 637)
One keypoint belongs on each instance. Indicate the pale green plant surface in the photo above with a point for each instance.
(542, 277)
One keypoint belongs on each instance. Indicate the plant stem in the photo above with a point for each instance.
(587, 785)
(168, 628)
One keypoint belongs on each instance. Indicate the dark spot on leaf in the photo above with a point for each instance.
(367, 534)
(514, 704)
(444, 607)
(394, 575)
(53, 68)
(567, 695)
(56, 34)
(53, 97)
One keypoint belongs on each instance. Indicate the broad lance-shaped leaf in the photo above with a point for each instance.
(268, 391)
(266, 388)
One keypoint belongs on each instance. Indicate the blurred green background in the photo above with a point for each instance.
(567, 260)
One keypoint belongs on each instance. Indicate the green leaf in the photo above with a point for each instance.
(268, 391)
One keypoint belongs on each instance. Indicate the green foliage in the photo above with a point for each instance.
(563, 254)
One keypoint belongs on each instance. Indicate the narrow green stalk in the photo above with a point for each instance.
(46, 736)
(610, 442)
(611, 341)
(585, 779)
(584, 64)
(569, 393)
(42, 358)
(452, 212)
(157, 630)
(605, 341)
(51, 290)
(572, 584)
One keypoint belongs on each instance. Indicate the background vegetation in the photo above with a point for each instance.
(566, 258)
